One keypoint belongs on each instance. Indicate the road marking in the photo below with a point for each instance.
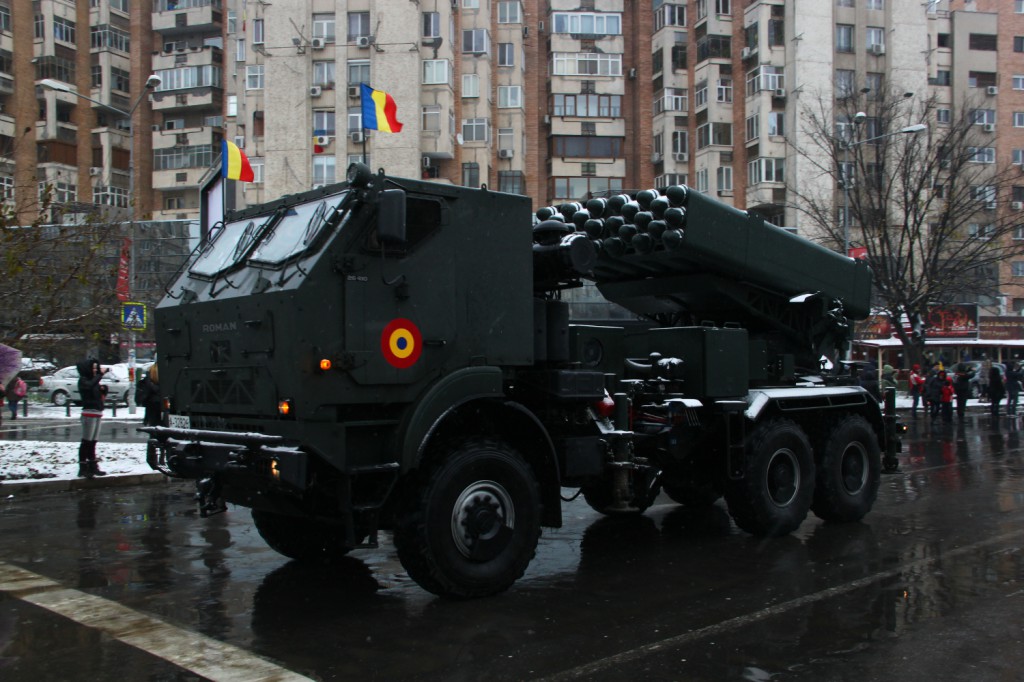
(204, 656)
(601, 665)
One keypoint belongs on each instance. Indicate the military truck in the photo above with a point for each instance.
(387, 354)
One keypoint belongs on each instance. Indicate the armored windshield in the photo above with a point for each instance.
(225, 246)
(295, 231)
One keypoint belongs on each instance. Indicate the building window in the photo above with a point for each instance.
(354, 119)
(506, 54)
(680, 142)
(323, 74)
(944, 40)
(257, 31)
(474, 41)
(471, 174)
(669, 15)
(435, 71)
(1018, 6)
(724, 178)
(979, 231)
(471, 4)
(714, 134)
(240, 49)
(506, 138)
(510, 13)
(358, 71)
(432, 117)
(943, 77)
(253, 77)
(323, 27)
(723, 6)
(943, 116)
(844, 38)
(876, 4)
(574, 188)
(1017, 270)
(766, 170)
(603, 24)
(981, 79)
(63, 30)
(1018, 157)
(358, 25)
(845, 79)
(470, 85)
(983, 116)
(431, 24)
(982, 41)
(1018, 43)
(587, 106)
(702, 180)
(510, 97)
(776, 123)
(874, 82)
(875, 38)
(323, 122)
(765, 78)
(724, 90)
(844, 3)
(586, 147)
(258, 165)
(474, 129)
(324, 169)
(511, 181)
(700, 95)
(586, 64)
(753, 127)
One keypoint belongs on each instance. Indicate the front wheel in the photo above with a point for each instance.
(471, 527)
(848, 473)
(774, 494)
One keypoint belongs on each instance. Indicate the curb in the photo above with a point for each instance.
(24, 487)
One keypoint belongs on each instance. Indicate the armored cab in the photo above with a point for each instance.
(392, 354)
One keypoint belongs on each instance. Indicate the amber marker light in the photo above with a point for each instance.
(284, 407)
(325, 365)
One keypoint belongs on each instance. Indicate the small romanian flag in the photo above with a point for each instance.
(234, 163)
(379, 110)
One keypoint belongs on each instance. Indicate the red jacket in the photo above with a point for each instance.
(947, 391)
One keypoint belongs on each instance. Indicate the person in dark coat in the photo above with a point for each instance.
(147, 395)
(996, 390)
(92, 394)
(868, 380)
(1013, 386)
(962, 388)
(933, 393)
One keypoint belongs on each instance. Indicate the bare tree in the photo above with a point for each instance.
(58, 294)
(929, 206)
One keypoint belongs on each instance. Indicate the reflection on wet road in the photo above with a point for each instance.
(927, 587)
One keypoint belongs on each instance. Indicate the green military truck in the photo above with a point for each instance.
(391, 354)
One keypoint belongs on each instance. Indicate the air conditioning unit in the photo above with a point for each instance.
(989, 127)
(747, 52)
(364, 41)
(992, 90)
(315, 90)
(779, 92)
(547, 119)
(1017, 205)
(656, 157)
(356, 137)
(318, 43)
(426, 162)
(95, 170)
(354, 91)
(681, 156)
(877, 49)
(505, 153)
(322, 140)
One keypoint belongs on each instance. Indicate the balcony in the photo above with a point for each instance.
(184, 178)
(189, 56)
(186, 137)
(207, 97)
(171, 17)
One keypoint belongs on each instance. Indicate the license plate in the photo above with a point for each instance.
(180, 421)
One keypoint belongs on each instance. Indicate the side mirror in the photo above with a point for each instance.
(391, 217)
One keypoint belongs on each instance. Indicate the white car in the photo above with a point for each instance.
(62, 386)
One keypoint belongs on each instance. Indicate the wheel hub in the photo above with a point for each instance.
(782, 477)
(482, 519)
(853, 469)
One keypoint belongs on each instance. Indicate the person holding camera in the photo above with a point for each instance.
(92, 394)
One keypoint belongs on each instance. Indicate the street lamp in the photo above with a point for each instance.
(859, 118)
(152, 82)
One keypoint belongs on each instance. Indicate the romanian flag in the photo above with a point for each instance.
(379, 110)
(234, 163)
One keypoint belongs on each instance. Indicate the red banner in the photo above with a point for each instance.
(123, 270)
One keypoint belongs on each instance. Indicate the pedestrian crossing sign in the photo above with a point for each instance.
(133, 316)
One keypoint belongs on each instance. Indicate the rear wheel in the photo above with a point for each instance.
(471, 527)
(59, 398)
(848, 473)
(300, 538)
(776, 490)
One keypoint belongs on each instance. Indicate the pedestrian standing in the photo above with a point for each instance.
(91, 393)
(868, 380)
(996, 389)
(947, 398)
(888, 378)
(962, 388)
(916, 386)
(15, 391)
(933, 393)
(147, 395)
(1013, 386)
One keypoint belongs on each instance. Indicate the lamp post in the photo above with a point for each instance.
(152, 82)
(858, 118)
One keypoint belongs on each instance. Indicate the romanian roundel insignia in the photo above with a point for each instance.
(401, 343)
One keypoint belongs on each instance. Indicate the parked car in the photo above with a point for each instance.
(34, 368)
(61, 387)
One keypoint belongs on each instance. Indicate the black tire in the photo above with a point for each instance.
(774, 495)
(300, 538)
(59, 398)
(848, 472)
(692, 495)
(472, 524)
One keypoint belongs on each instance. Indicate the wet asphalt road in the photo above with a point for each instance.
(929, 587)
